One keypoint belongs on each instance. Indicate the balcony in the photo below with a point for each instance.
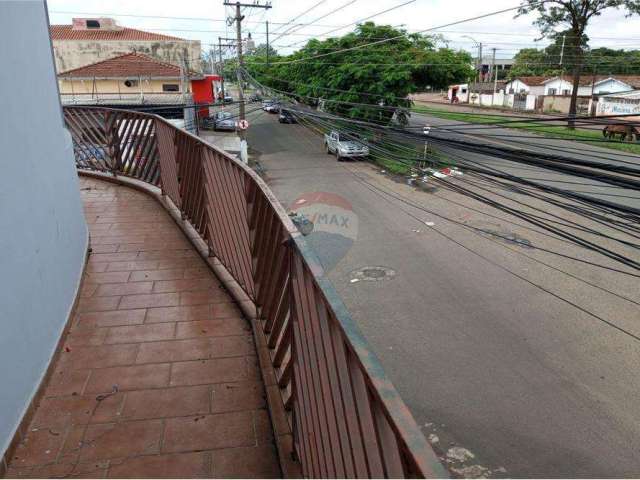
(206, 341)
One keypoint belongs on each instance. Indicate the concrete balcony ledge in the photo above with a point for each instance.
(158, 375)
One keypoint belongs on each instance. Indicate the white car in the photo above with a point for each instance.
(343, 147)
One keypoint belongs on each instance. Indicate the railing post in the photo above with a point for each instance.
(113, 142)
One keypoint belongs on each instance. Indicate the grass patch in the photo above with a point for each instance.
(591, 137)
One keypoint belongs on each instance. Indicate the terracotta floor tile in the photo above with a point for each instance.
(88, 289)
(101, 356)
(178, 402)
(166, 274)
(66, 381)
(199, 272)
(132, 288)
(114, 440)
(80, 335)
(112, 318)
(149, 300)
(233, 397)
(246, 462)
(176, 351)
(219, 327)
(133, 265)
(98, 304)
(208, 432)
(235, 346)
(199, 372)
(114, 257)
(105, 248)
(177, 465)
(140, 333)
(184, 285)
(39, 447)
(174, 254)
(201, 297)
(129, 378)
(180, 263)
(167, 402)
(62, 470)
(178, 314)
(224, 310)
(93, 267)
(62, 412)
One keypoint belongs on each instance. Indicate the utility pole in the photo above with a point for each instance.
(238, 19)
(220, 45)
(495, 73)
(267, 23)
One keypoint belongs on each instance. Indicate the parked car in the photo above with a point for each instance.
(224, 121)
(286, 116)
(271, 106)
(228, 99)
(255, 97)
(343, 146)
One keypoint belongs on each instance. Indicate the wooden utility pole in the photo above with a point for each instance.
(495, 73)
(220, 45)
(238, 19)
(267, 22)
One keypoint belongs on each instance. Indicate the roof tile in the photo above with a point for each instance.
(129, 65)
(66, 32)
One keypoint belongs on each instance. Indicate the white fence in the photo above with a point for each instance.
(504, 100)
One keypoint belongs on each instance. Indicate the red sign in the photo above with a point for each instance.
(243, 124)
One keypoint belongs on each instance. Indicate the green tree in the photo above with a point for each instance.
(355, 82)
(575, 16)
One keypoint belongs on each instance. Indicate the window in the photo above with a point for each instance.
(93, 24)
(552, 91)
(170, 87)
(131, 83)
(565, 91)
(464, 90)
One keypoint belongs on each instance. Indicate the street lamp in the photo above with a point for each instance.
(478, 45)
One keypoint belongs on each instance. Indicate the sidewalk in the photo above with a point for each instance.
(158, 376)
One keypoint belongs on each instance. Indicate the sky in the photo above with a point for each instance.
(204, 20)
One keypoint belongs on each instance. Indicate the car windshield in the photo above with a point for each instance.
(224, 115)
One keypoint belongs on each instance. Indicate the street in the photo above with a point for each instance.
(524, 360)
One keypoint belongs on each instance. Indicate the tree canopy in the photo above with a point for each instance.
(574, 17)
(348, 81)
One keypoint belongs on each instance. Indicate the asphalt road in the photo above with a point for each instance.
(486, 344)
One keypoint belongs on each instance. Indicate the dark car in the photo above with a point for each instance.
(286, 117)
(228, 99)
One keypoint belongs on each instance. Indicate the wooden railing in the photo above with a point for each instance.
(346, 417)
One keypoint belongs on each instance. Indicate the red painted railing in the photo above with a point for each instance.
(346, 416)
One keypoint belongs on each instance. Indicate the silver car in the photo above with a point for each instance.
(224, 121)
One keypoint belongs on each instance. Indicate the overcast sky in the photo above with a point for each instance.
(504, 32)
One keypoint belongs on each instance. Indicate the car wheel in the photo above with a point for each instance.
(326, 149)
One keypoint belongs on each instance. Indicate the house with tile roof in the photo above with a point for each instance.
(90, 40)
(130, 77)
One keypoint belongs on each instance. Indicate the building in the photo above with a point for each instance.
(487, 65)
(91, 40)
(623, 103)
(533, 85)
(610, 84)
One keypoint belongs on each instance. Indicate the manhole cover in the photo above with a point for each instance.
(372, 274)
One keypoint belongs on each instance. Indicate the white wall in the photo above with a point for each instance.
(559, 85)
(611, 86)
(44, 235)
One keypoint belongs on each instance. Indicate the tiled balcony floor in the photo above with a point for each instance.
(158, 376)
